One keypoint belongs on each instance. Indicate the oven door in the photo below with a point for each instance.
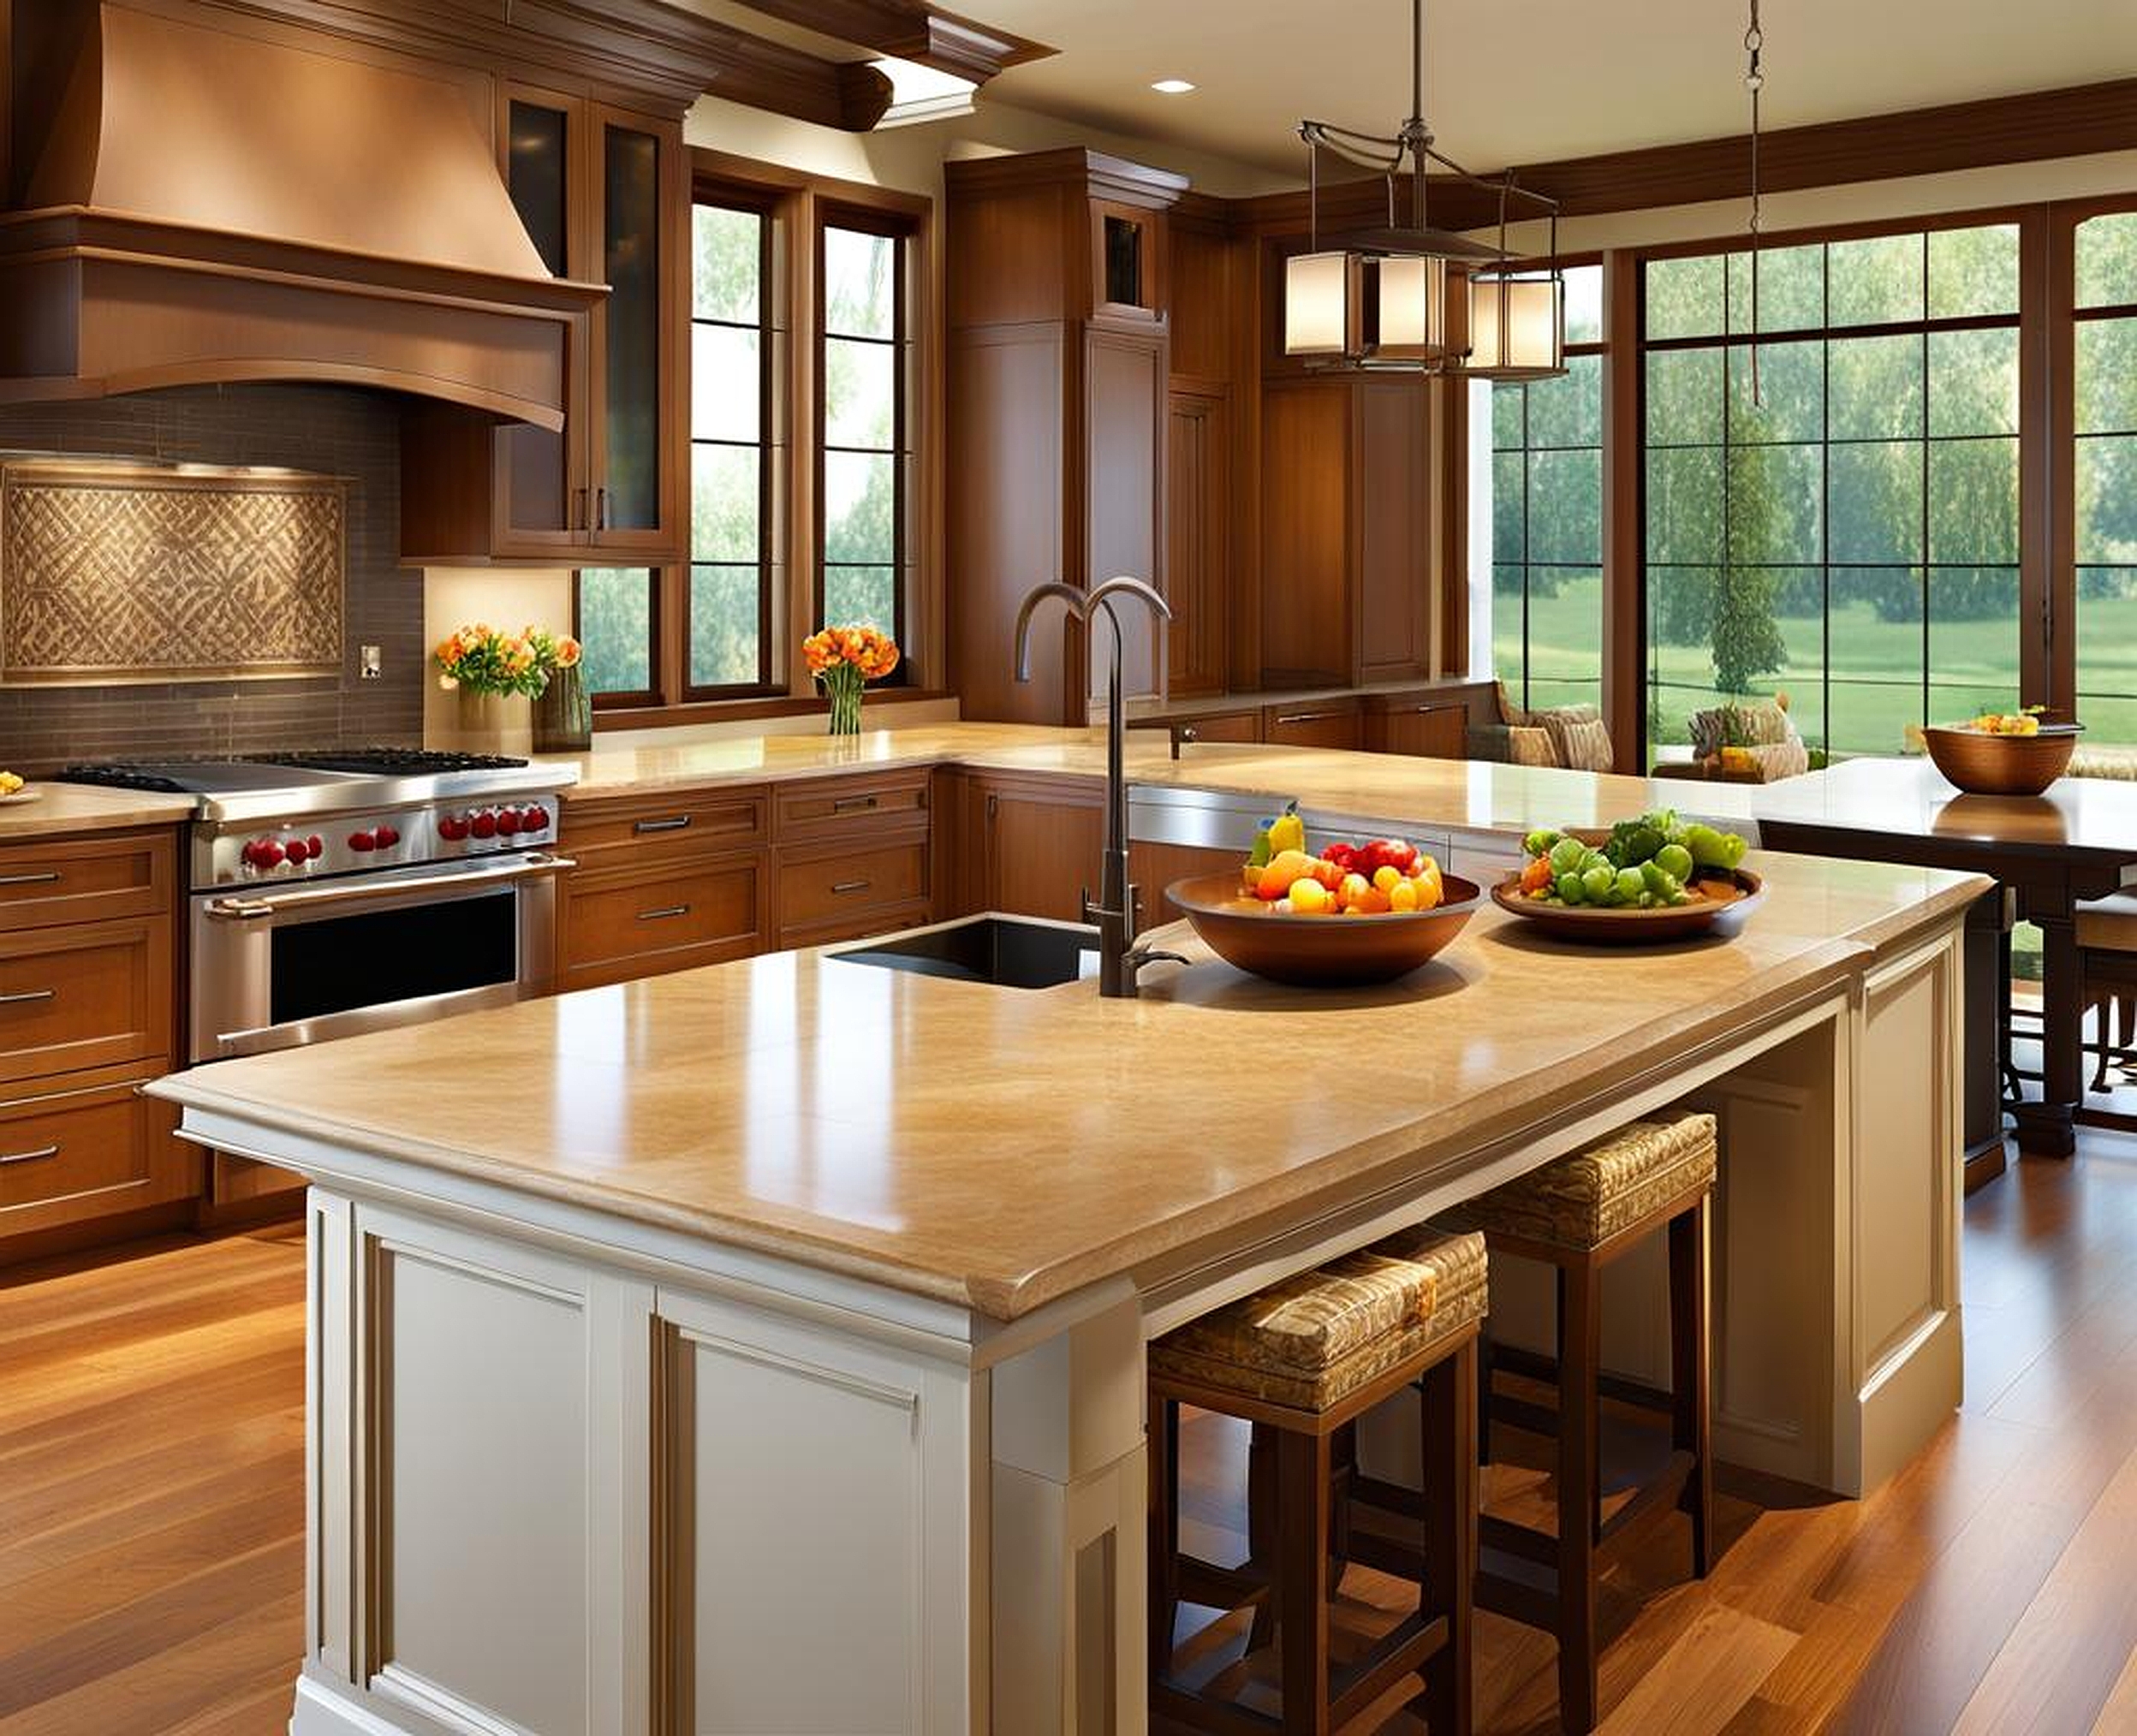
(275, 968)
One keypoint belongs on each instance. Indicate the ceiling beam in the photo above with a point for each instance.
(911, 30)
(2031, 127)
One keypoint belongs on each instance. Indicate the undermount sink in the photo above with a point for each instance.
(1010, 952)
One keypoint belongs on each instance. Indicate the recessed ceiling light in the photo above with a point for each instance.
(1172, 88)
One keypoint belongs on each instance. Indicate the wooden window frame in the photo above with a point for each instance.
(799, 206)
(899, 229)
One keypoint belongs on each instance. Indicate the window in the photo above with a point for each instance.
(731, 413)
(1847, 533)
(863, 458)
(842, 267)
(1546, 513)
(2104, 474)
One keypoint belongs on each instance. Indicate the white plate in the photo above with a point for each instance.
(22, 795)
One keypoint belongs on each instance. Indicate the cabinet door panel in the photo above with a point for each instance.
(1040, 850)
(1198, 461)
(617, 924)
(1305, 555)
(1392, 489)
(1126, 408)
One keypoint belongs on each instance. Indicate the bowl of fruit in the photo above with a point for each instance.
(1643, 881)
(1350, 913)
(2016, 753)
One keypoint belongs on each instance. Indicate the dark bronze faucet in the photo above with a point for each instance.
(1119, 958)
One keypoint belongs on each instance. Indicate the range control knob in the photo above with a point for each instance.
(484, 825)
(385, 837)
(297, 850)
(452, 827)
(363, 840)
(507, 822)
(264, 853)
(316, 845)
(534, 819)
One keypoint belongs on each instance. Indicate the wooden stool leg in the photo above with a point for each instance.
(1580, 1452)
(1302, 1587)
(1164, 1429)
(1484, 1400)
(1263, 1504)
(1446, 1584)
(2103, 1010)
(1688, 1351)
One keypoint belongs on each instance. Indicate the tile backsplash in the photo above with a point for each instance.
(328, 430)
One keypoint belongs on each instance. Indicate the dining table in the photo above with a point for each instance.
(2048, 853)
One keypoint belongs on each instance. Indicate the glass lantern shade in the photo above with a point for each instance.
(1516, 327)
(1416, 318)
(1320, 305)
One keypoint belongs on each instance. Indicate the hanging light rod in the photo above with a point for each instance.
(1409, 296)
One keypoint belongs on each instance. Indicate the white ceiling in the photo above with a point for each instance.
(1529, 80)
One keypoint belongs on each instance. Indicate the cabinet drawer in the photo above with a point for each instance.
(689, 821)
(86, 1153)
(831, 885)
(92, 995)
(632, 921)
(848, 806)
(860, 925)
(69, 880)
(1314, 723)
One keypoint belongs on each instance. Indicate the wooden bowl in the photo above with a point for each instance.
(2021, 765)
(1732, 896)
(1319, 951)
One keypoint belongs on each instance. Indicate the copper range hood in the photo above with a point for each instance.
(195, 199)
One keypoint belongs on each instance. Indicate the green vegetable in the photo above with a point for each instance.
(1675, 861)
(1631, 884)
(1713, 849)
(1259, 856)
(1571, 891)
(1663, 887)
(1567, 855)
(1600, 882)
(1633, 841)
(1540, 843)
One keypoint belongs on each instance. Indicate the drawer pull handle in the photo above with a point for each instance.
(680, 823)
(664, 913)
(841, 888)
(1284, 717)
(46, 878)
(848, 805)
(25, 997)
(29, 1157)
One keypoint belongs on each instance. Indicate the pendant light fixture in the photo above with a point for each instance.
(1409, 296)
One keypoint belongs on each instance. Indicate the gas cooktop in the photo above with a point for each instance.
(244, 773)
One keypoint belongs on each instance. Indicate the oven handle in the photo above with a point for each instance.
(254, 909)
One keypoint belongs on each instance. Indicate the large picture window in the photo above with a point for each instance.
(1545, 514)
(1847, 532)
(2103, 401)
(862, 362)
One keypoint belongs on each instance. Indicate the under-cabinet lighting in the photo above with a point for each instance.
(1171, 88)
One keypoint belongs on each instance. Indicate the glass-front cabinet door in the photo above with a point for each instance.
(632, 452)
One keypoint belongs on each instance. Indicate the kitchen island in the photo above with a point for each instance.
(759, 1347)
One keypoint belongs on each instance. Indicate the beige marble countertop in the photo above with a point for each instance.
(63, 808)
(999, 1148)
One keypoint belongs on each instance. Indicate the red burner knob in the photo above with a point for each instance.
(507, 822)
(316, 845)
(298, 850)
(384, 837)
(484, 825)
(362, 841)
(270, 853)
(534, 819)
(452, 827)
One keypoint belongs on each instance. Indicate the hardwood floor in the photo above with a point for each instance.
(150, 1514)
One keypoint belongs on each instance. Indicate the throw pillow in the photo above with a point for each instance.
(1583, 744)
(1527, 744)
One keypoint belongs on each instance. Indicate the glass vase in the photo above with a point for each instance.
(492, 724)
(564, 714)
(843, 686)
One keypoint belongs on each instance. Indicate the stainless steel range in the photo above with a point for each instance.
(346, 890)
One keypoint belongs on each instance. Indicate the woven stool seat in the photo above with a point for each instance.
(1583, 1200)
(1311, 1340)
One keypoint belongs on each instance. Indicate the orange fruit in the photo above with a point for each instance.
(1403, 896)
(1386, 877)
(1353, 891)
(1310, 897)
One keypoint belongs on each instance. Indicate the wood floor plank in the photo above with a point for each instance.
(1710, 1669)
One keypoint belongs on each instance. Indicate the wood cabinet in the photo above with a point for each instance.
(856, 856)
(1152, 867)
(1427, 722)
(88, 1015)
(1027, 845)
(604, 194)
(1198, 537)
(1335, 722)
(1058, 426)
(663, 881)
(1345, 527)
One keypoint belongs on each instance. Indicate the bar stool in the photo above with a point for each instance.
(1579, 1214)
(1302, 1360)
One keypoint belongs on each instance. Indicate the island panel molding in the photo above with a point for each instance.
(112, 572)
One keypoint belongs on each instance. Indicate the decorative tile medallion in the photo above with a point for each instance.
(131, 572)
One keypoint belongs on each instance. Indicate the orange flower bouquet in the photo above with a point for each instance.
(842, 659)
(484, 660)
